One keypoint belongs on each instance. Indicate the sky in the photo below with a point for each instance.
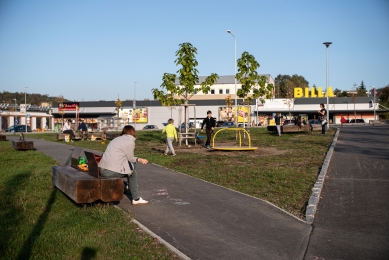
(90, 50)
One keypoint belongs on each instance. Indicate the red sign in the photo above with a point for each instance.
(68, 107)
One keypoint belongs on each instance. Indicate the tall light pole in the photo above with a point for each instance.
(25, 106)
(236, 94)
(15, 118)
(134, 105)
(327, 44)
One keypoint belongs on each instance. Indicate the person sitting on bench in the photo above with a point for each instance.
(116, 160)
(67, 129)
(83, 129)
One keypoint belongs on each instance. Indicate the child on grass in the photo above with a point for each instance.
(171, 134)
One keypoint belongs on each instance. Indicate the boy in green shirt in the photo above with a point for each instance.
(171, 134)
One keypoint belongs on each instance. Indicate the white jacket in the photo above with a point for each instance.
(119, 151)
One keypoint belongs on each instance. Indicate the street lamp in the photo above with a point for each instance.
(236, 94)
(327, 44)
(25, 106)
(134, 105)
(15, 112)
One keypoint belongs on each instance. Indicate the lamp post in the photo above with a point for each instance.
(25, 106)
(236, 94)
(134, 105)
(15, 112)
(327, 44)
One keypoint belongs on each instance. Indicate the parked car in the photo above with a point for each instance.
(18, 128)
(313, 121)
(227, 124)
(357, 121)
(150, 127)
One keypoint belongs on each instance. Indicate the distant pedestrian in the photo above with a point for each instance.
(67, 129)
(323, 118)
(171, 134)
(83, 129)
(342, 121)
(277, 119)
(209, 123)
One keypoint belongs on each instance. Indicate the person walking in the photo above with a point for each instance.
(342, 121)
(323, 118)
(171, 134)
(118, 160)
(209, 122)
(277, 119)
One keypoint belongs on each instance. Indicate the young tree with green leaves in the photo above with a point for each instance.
(251, 80)
(171, 94)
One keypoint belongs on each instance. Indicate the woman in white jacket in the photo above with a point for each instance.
(116, 160)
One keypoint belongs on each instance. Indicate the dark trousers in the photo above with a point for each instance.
(71, 133)
(323, 129)
(209, 133)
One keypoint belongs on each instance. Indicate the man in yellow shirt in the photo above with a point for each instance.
(171, 134)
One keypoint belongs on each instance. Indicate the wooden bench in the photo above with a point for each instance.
(22, 144)
(112, 135)
(295, 128)
(86, 187)
(3, 138)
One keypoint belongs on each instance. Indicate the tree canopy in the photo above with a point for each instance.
(251, 80)
(285, 84)
(361, 90)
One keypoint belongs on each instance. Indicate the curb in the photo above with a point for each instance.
(160, 239)
(317, 188)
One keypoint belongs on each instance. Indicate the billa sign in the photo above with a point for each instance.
(68, 107)
(313, 93)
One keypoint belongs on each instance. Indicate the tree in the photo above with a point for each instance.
(285, 84)
(251, 80)
(361, 90)
(172, 94)
(337, 92)
(383, 96)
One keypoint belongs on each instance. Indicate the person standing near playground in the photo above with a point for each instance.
(210, 124)
(116, 160)
(277, 119)
(171, 134)
(323, 118)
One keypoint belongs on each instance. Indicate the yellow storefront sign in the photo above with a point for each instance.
(313, 93)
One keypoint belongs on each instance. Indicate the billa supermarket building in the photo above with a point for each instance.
(105, 114)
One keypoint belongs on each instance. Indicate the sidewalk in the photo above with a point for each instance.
(352, 219)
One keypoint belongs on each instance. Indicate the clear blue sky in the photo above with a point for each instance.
(96, 49)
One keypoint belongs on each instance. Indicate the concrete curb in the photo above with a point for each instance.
(160, 239)
(317, 188)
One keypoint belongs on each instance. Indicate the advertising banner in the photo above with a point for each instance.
(139, 115)
(68, 106)
(227, 114)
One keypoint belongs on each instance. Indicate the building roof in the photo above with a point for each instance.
(227, 79)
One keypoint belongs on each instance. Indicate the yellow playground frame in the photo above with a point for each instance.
(234, 148)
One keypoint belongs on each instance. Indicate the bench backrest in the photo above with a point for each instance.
(93, 168)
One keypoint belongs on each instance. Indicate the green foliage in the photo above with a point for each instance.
(170, 93)
(251, 80)
(33, 99)
(285, 85)
(383, 96)
(361, 90)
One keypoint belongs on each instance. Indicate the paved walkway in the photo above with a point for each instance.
(352, 219)
(206, 221)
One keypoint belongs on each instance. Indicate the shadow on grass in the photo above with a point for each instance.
(88, 253)
(10, 218)
(26, 249)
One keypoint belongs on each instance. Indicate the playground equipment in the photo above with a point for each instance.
(234, 148)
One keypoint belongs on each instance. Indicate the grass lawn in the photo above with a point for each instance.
(282, 171)
(38, 221)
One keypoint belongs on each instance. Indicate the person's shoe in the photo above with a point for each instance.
(140, 201)
(72, 141)
(208, 147)
(165, 153)
(173, 154)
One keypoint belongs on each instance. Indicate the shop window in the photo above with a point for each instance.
(220, 91)
(227, 91)
(212, 91)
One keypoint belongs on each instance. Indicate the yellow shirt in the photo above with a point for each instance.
(170, 131)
